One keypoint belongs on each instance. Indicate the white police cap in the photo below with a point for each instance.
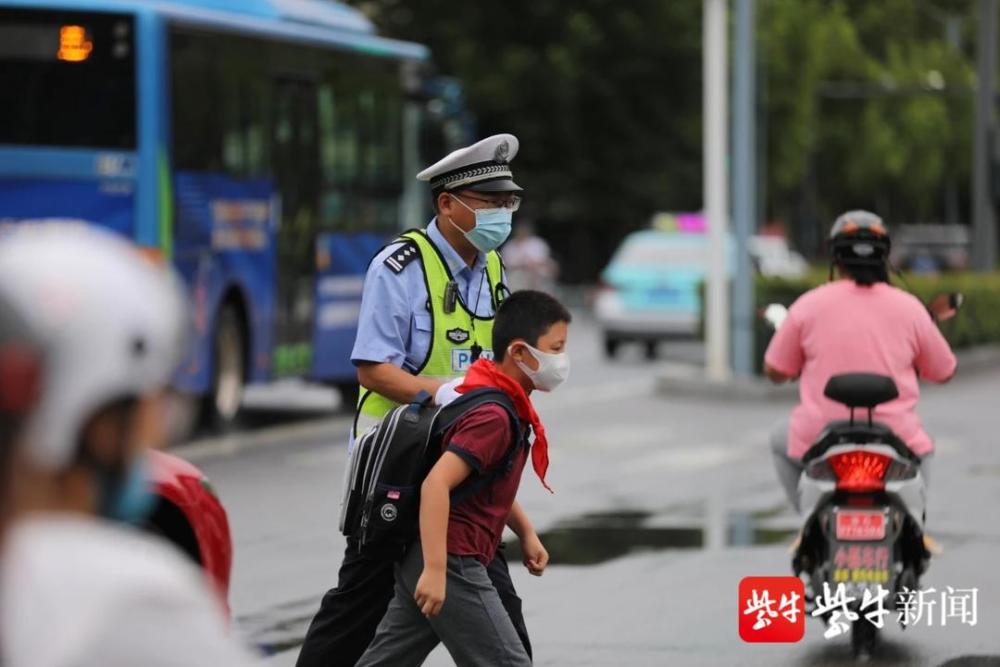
(484, 167)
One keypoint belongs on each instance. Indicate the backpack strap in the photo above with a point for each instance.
(451, 413)
(477, 484)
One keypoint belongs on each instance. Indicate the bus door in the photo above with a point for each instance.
(296, 172)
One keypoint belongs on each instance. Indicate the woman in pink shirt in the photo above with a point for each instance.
(859, 323)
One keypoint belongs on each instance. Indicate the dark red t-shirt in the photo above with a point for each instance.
(483, 438)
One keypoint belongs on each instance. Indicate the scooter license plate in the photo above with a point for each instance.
(860, 526)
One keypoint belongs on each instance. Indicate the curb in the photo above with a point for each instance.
(689, 381)
(333, 429)
(978, 360)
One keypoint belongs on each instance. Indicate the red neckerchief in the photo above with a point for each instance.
(484, 373)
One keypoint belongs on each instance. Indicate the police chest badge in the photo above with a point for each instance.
(457, 336)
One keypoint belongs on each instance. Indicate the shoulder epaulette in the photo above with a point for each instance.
(401, 256)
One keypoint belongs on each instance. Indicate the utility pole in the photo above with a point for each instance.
(715, 188)
(744, 185)
(984, 234)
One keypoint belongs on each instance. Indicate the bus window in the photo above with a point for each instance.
(74, 78)
(255, 96)
(391, 144)
(296, 171)
(327, 125)
(369, 135)
(344, 140)
(197, 135)
(221, 73)
(234, 113)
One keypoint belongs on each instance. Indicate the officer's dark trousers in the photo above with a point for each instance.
(349, 614)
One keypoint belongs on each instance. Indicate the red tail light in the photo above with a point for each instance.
(860, 470)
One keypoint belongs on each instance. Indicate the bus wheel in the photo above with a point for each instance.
(222, 404)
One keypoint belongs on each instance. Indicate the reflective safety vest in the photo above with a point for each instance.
(453, 334)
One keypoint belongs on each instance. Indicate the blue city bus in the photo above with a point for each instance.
(259, 145)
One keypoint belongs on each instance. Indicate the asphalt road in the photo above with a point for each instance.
(661, 506)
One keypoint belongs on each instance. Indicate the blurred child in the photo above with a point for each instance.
(78, 586)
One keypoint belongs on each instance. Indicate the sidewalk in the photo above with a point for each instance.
(689, 380)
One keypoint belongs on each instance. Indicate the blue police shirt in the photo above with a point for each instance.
(394, 325)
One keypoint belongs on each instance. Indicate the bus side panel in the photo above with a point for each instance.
(224, 247)
(150, 111)
(341, 262)
(108, 203)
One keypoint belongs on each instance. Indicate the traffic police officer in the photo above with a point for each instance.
(426, 314)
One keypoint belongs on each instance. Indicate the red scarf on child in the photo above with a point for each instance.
(484, 373)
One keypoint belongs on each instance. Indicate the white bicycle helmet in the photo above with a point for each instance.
(111, 322)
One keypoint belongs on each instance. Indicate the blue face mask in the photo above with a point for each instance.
(129, 497)
(492, 227)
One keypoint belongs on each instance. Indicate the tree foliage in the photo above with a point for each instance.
(867, 105)
(862, 104)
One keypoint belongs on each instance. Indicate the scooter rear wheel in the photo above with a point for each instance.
(864, 634)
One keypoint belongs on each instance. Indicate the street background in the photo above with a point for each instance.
(268, 148)
(859, 105)
(641, 481)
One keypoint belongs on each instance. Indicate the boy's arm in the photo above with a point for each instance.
(536, 558)
(519, 522)
(435, 505)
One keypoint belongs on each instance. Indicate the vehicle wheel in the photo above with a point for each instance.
(863, 637)
(349, 392)
(907, 580)
(652, 350)
(221, 406)
(611, 347)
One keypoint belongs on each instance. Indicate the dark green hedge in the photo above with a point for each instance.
(978, 323)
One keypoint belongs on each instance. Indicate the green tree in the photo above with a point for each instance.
(604, 96)
(862, 104)
(867, 105)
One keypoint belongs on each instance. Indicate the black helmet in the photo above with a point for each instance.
(860, 244)
(860, 236)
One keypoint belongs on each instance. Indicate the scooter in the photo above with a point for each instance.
(865, 527)
(866, 500)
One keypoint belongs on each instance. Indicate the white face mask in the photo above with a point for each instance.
(553, 369)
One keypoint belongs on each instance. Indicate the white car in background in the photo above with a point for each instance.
(775, 259)
(651, 289)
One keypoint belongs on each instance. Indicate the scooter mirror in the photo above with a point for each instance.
(774, 314)
(945, 306)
